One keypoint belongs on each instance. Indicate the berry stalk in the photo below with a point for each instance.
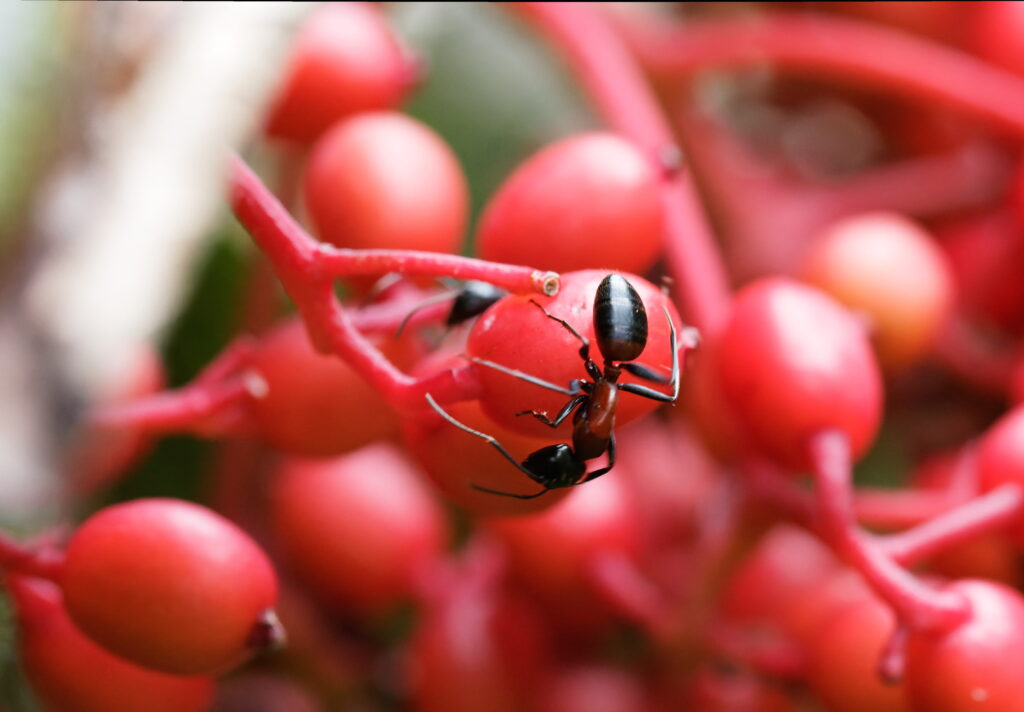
(615, 84)
(939, 76)
(919, 606)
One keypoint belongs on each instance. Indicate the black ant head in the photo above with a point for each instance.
(473, 300)
(555, 466)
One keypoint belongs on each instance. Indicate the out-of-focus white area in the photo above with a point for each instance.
(131, 230)
(156, 95)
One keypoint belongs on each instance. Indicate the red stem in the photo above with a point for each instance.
(768, 220)
(920, 187)
(893, 661)
(918, 605)
(989, 512)
(615, 84)
(16, 557)
(205, 409)
(872, 507)
(861, 52)
(233, 358)
(302, 261)
(307, 269)
(389, 315)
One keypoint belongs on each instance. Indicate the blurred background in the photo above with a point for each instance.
(115, 235)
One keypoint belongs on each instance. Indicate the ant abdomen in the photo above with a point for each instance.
(620, 320)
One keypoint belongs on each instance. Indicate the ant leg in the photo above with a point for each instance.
(425, 303)
(611, 463)
(488, 490)
(564, 413)
(573, 390)
(646, 372)
(494, 442)
(585, 348)
(650, 392)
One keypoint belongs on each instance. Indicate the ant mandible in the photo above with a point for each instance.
(620, 326)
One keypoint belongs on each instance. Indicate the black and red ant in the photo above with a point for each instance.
(620, 326)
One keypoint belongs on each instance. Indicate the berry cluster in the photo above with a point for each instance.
(721, 304)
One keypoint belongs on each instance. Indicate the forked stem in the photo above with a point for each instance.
(308, 269)
(917, 605)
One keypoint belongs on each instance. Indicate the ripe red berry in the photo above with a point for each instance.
(71, 673)
(588, 201)
(516, 334)
(973, 666)
(997, 34)
(1001, 457)
(345, 60)
(311, 398)
(984, 253)
(170, 585)
(358, 529)
(786, 562)
(475, 647)
(599, 518)
(793, 363)
(843, 651)
(384, 180)
(891, 271)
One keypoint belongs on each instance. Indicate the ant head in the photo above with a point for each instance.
(555, 466)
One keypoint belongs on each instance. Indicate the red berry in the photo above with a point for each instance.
(358, 529)
(843, 651)
(384, 180)
(974, 666)
(890, 270)
(794, 363)
(516, 334)
(311, 398)
(170, 585)
(785, 563)
(71, 673)
(997, 34)
(587, 201)
(984, 253)
(1001, 457)
(475, 647)
(345, 60)
(551, 553)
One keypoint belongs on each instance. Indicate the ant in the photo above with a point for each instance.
(620, 326)
(472, 300)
